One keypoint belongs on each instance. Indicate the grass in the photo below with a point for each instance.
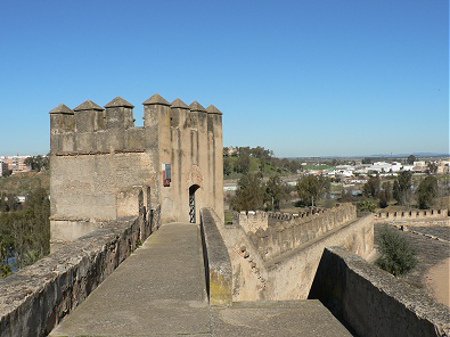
(318, 167)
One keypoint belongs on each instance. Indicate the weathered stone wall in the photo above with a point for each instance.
(252, 221)
(87, 190)
(374, 303)
(415, 215)
(97, 154)
(35, 299)
(274, 234)
(216, 258)
(249, 275)
(290, 275)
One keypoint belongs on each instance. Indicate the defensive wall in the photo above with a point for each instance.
(424, 216)
(36, 298)
(367, 300)
(275, 256)
(274, 234)
(98, 153)
(372, 302)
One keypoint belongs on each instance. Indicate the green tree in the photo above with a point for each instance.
(366, 206)
(427, 191)
(411, 159)
(385, 194)
(250, 193)
(397, 256)
(227, 166)
(432, 167)
(26, 232)
(396, 193)
(371, 188)
(37, 163)
(243, 163)
(402, 187)
(277, 191)
(311, 188)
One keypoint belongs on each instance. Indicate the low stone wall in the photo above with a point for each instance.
(249, 275)
(416, 215)
(35, 299)
(287, 233)
(217, 261)
(373, 303)
(290, 275)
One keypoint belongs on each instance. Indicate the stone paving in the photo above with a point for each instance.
(160, 291)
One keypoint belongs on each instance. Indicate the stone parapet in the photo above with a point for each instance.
(277, 233)
(35, 299)
(217, 261)
(423, 214)
(291, 274)
(372, 302)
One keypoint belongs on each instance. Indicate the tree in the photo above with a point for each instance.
(397, 256)
(432, 167)
(411, 159)
(250, 193)
(396, 193)
(366, 160)
(427, 191)
(277, 190)
(243, 164)
(25, 233)
(366, 206)
(227, 166)
(371, 188)
(311, 188)
(385, 194)
(402, 187)
(37, 163)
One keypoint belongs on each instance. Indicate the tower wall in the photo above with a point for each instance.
(97, 155)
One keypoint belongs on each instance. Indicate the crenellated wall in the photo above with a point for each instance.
(275, 256)
(291, 274)
(415, 215)
(274, 234)
(97, 154)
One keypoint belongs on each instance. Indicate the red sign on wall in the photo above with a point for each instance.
(167, 174)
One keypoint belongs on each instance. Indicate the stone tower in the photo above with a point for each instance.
(99, 159)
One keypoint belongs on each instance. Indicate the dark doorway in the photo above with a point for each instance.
(192, 191)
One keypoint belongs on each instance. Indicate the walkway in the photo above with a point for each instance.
(160, 291)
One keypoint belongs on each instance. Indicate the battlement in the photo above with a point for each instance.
(98, 152)
(412, 215)
(277, 233)
(253, 221)
(90, 129)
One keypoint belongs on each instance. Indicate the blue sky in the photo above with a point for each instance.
(303, 78)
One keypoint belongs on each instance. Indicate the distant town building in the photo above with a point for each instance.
(16, 163)
(443, 167)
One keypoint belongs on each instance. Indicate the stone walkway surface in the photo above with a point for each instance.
(160, 290)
